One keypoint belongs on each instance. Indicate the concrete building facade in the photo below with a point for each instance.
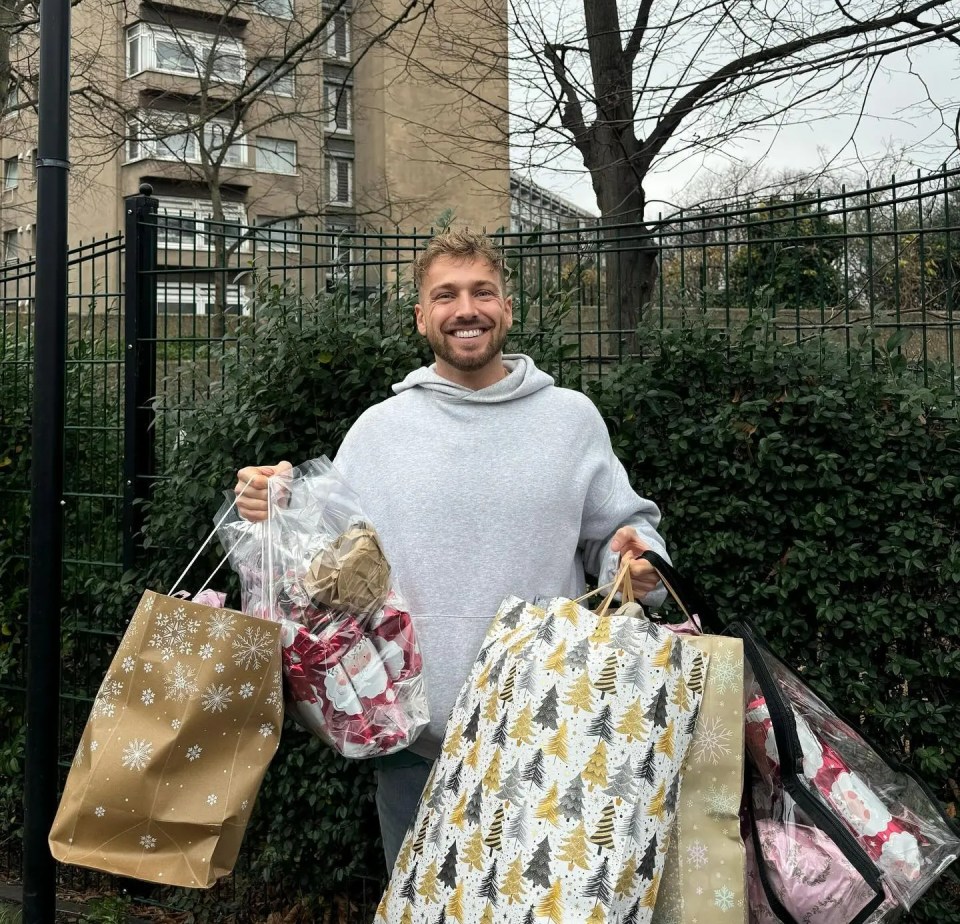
(249, 113)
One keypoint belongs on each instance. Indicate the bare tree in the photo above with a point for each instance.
(628, 84)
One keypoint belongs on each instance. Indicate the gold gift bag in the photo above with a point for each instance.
(177, 743)
(704, 871)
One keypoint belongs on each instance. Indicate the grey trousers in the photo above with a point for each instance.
(400, 782)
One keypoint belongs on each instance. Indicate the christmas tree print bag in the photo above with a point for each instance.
(559, 776)
(177, 743)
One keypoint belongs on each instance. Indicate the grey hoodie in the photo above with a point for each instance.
(513, 489)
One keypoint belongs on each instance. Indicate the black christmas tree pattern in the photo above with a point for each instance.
(558, 777)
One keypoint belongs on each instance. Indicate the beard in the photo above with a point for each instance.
(472, 362)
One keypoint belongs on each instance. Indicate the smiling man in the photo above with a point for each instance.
(483, 480)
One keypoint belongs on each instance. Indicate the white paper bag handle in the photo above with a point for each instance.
(206, 542)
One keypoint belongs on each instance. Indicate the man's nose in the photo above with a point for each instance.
(465, 307)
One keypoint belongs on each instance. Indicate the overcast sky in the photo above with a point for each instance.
(898, 115)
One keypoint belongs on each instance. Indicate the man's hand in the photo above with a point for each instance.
(253, 504)
(643, 576)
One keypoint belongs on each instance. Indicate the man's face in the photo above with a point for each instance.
(464, 315)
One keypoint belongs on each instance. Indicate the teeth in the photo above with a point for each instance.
(465, 334)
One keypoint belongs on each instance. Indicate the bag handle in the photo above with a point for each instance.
(206, 542)
(621, 584)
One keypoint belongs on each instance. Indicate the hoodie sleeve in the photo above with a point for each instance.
(610, 502)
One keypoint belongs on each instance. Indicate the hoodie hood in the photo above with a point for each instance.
(523, 378)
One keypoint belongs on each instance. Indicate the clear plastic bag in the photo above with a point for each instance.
(829, 811)
(350, 656)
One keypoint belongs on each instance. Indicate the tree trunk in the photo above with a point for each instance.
(631, 252)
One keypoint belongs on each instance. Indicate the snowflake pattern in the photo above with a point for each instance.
(99, 811)
(244, 804)
(105, 704)
(180, 683)
(275, 698)
(194, 752)
(266, 729)
(723, 898)
(711, 740)
(220, 668)
(220, 626)
(173, 633)
(147, 668)
(252, 648)
(246, 690)
(147, 697)
(212, 799)
(94, 745)
(148, 841)
(697, 854)
(136, 755)
(148, 603)
(721, 800)
(726, 675)
(128, 664)
(216, 697)
(206, 652)
(175, 724)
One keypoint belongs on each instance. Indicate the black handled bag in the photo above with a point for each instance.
(837, 832)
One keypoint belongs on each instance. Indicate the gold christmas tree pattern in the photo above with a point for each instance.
(558, 778)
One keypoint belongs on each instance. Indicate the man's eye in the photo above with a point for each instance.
(486, 293)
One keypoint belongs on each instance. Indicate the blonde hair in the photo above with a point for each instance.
(459, 245)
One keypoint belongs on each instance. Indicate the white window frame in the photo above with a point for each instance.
(11, 172)
(262, 147)
(156, 148)
(330, 42)
(14, 257)
(279, 235)
(331, 93)
(284, 82)
(333, 179)
(201, 295)
(287, 13)
(198, 46)
(198, 211)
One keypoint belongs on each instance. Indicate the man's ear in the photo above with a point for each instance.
(508, 309)
(421, 321)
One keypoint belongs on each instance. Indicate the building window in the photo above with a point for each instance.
(11, 172)
(187, 224)
(190, 54)
(276, 155)
(338, 36)
(162, 136)
(10, 246)
(280, 8)
(277, 233)
(340, 180)
(13, 97)
(279, 81)
(338, 104)
(180, 298)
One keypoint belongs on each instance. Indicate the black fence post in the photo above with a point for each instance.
(140, 361)
(47, 500)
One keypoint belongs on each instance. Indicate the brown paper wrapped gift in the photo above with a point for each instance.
(704, 871)
(351, 573)
(180, 735)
